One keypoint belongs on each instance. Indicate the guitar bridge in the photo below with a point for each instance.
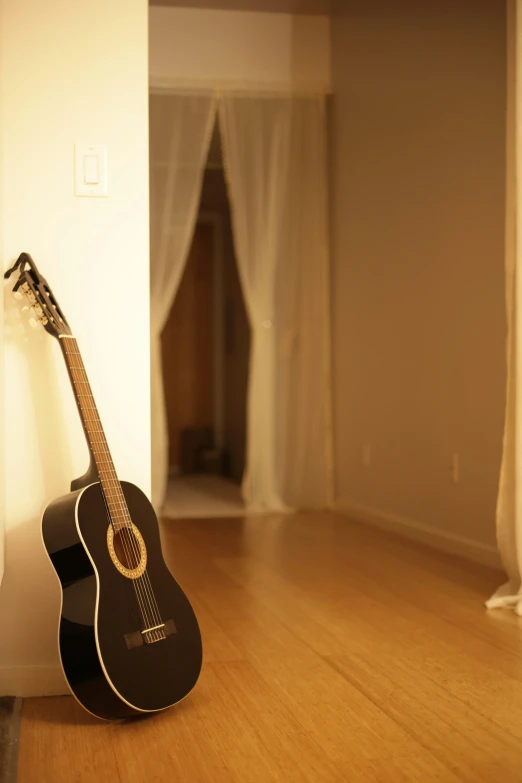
(150, 635)
(154, 634)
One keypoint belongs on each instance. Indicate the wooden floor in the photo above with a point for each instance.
(333, 652)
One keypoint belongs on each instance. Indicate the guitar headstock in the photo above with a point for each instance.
(41, 300)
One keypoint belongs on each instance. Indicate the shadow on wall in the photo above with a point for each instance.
(38, 469)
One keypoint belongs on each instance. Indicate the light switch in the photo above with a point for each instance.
(90, 170)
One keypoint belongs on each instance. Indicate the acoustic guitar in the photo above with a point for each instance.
(128, 638)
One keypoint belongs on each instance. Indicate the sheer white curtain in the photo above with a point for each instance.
(509, 504)
(275, 162)
(180, 128)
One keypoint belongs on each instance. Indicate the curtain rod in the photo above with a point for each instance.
(157, 85)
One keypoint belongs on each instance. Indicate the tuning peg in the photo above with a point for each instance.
(33, 322)
(18, 295)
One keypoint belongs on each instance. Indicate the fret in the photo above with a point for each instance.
(109, 480)
(118, 508)
(118, 514)
(95, 435)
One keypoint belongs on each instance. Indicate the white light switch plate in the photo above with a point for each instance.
(89, 159)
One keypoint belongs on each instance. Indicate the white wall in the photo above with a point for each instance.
(240, 48)
(418, 164)
(69, 71)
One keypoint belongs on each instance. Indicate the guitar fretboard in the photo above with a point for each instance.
(95, 435)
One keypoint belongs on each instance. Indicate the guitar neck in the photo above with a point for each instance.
(94, 433)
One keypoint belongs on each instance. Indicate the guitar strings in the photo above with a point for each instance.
(129, 542)
(144, 592)
(139, 594)
(136, 618)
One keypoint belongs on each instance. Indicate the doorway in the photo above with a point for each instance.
(205, 357)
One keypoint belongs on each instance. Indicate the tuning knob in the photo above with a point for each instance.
(33, 322)
(18, 295)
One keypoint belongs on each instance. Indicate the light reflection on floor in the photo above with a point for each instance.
(199, 496)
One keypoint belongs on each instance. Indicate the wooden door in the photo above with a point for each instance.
(187, 345)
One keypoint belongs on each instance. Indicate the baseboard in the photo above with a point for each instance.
(26, 681)
(426, 534)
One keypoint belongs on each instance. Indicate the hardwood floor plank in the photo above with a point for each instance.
(218, 644)
(332, 652)
(449, 728)
(61, 743)
(176, 745)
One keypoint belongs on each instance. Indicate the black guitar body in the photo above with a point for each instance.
(111, 670)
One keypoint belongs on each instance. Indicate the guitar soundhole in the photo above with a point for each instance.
(127, 549)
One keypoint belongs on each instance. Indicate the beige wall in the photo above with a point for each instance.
(69, 72)
(418, 201)
(238, 48)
